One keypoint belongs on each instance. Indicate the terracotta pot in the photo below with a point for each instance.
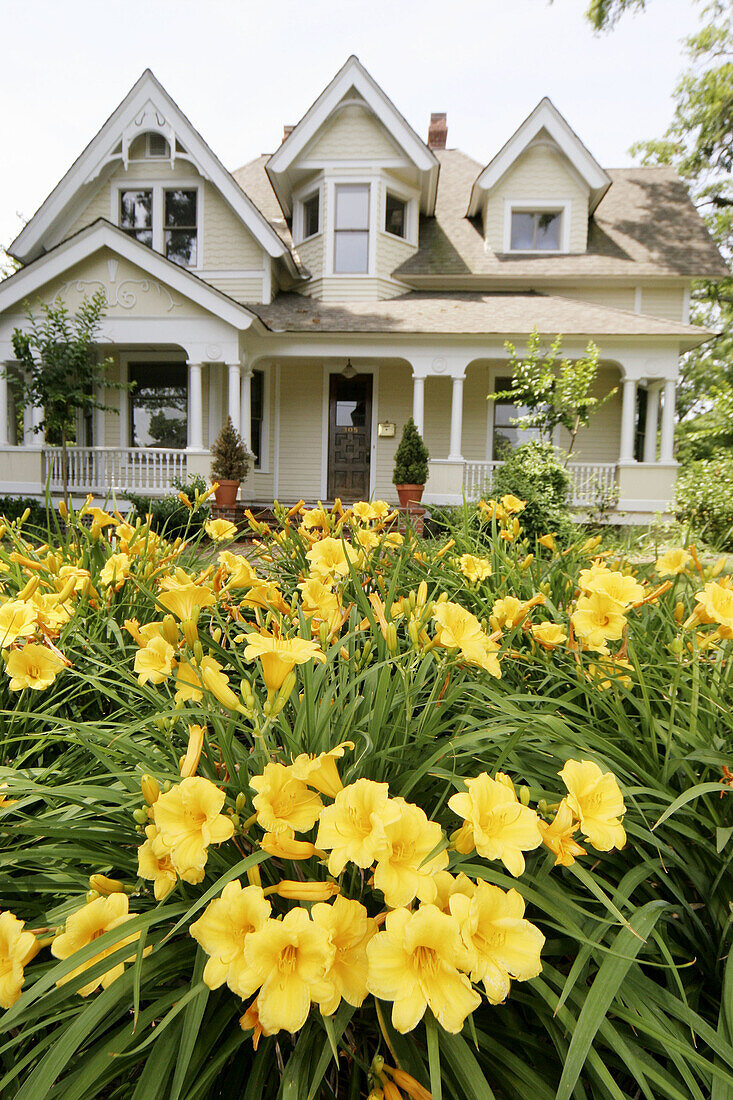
(226, 494)
(409, 494)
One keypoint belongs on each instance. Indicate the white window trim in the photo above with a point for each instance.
(412, 212)
(128, 359)
(372, 182)
(361, 368)
(301, 199)
(563, 206)
(264, 466)
(159, 187)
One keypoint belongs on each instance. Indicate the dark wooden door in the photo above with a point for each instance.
(349, 437)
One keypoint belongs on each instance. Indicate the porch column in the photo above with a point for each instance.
(628, 421)
(666, 451)
(234, 395)
(195, 408)
(4, 436)
(246, 407)
(418, 401)
(650, 426)
(456, 421)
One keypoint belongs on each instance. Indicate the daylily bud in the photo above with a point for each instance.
(286, 847)
(216, 685)
(190, 761)
(91, 895)
(414, 634)
(254, 877)
(412, 1087)
(391, 1092)
(676, 646)
(170, 630)
(25, 515)
(524, 795)
(245, 690)
(140, 815)
(286, 689)
(190, 632)
(198, 652)
(106, 886)
(377, 1064)
(306, 891)
(241, 802)
(27, 591)
(323, 635)
(149, 787)
(390, 636)
(63, 510)
(216, 634)
(422, 593)
(679, 611)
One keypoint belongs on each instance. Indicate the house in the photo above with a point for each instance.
(358, 275)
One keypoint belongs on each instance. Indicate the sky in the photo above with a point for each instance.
(241, 69)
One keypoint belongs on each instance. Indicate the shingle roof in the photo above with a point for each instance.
(498, 314)
(645, 226)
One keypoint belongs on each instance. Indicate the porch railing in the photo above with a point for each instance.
(125, 469)
(590, 482)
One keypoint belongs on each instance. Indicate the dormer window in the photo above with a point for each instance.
(351, 230)
(312, 215)
(395, 216)
(536, 230)
(136, 215)
(163, 218)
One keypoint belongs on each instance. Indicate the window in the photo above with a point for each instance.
(158, 405)
(311, 215)
(351, 230)
(257, 400)
(507, 436)
(136, 215)
(180, 227)
(395, 218)
(535, 230)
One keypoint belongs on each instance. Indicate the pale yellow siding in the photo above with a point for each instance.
(476, 410)
(354, 134)
(311, 253)
(667, 302)
(437, 415)
(242, 290)
(227, 242)
(541, 174)
(391, 252)
(395, 404)
(301, 415)
(97, 207)
(112, 400)
(353, 288)
(616, 297)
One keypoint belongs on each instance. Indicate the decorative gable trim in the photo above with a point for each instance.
(147, 106)
(102, 234)
(544, 117)
(352, 78)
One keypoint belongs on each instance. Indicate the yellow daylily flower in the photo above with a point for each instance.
(474, 569)
(115, 571)
(459, 629)
(86, 925)
(596, 800)
(403, 871)
(617, 586)
(497, 825)
(240, 571)
(501, 944)
(549, 634)
(349, 930)
(558, 836)
(330, 558)
(321, 771)
(283, 802)
(353, 828)
(188, 819)
(288, 959)
(597, 620)
(17, 948)
(673, 562)
(512, 504)
(279, 656)
(222, 931)
(715, 601)
(415, 964)
(548, 542)
(186, 599)
(17, 620)
(447, 885)
(221, 529)
(34, 666)
(154, 663)
(157, 868)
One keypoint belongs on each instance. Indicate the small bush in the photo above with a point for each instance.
(169, 514)
(534, 473)
(411, 458)
(12, 508)
(231, 460)
(705, 499)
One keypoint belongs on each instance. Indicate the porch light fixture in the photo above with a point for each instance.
(349, 371)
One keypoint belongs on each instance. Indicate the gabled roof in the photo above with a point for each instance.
(544, 117)
(147, 106)
(102, 234)
(350, 76)
(498, 315)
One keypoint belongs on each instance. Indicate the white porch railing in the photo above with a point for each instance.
(590, 482)
(125, 469)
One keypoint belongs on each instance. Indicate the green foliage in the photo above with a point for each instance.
(169, 515)
(633, 995)
(704, 496)
(12, 508)
(231, 460)
(535, 474)
(604, 14)
(411, 457)
(555, 394)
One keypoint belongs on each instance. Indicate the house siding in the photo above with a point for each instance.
(395, 404)
(666, 302)
(617, 297)
(301, 415)
(354, 134)
(538, 174)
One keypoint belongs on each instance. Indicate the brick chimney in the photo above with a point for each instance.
(287, 131)
(438, 130)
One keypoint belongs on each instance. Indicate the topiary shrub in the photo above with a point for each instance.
(231, 458)
(534, 473)
(704, 497)
(411, 458)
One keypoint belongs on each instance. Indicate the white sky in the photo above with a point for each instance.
(240, 69)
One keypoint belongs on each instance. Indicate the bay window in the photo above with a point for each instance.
(351, 229)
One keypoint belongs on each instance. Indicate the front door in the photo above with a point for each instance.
(349, 437)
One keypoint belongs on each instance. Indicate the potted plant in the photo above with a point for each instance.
(230, 465)
(411, 466)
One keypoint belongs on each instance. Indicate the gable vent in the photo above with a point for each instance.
(438, 130)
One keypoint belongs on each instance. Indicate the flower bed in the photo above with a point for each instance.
(359, 815)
